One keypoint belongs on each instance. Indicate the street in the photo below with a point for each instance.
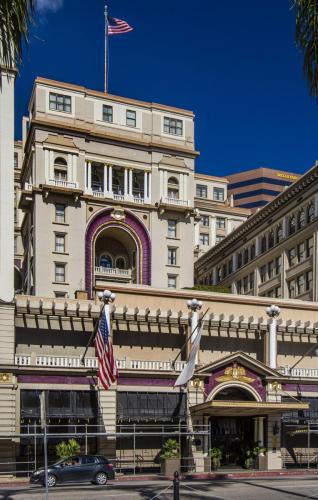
(162, 490)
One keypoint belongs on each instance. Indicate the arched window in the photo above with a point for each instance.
(279, 233)
(233, 394)
(310, 212)
(120, 263)
(301, 220)
(106, 261)
(60, 169)
(271, 239)
(292, 224)
(173, 188)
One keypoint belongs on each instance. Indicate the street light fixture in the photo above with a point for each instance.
(106, 296)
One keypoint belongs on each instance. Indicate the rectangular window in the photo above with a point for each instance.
(204, 239)
(245, 255)
(60, 102)
(252, 251)
(220, 223)
(219, 238)
(278, 265)
(172, 256)
(301, 251)
(245, 284)
(60, 243)
(309, 246)
(300, 284)
(201, 191)
(130, 118)
(278, 292)
(292, 289)
(172, 126)
(59, 273)
(239, 287)
(251, 278)
(262, 273)
(205, 220)
(172, 228)
(308, 280)
(60, 295)
(172, 281)
(239, 260)
(292, 260)
(107, 113)
(270, 269)
(15, 162)
(230, 265)
(59, 213)
(218, 194)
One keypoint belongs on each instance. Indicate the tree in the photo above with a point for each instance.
(15, 19)
(306, 37)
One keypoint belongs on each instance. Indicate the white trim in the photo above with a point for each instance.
(241, 385)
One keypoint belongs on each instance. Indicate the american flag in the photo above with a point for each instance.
(107, 371)
(117, 26)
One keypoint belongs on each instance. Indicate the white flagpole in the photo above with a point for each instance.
(106, 49)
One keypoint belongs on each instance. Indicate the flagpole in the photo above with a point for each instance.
(106, 49)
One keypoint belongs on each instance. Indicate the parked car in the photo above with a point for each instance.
(78, 468)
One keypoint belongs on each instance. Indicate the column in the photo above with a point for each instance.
(69, 168)
(85, 176)
(51, 165)
(161, 183)
(149, 186)
(260, 438)
(89, 176)
(110, 179)
(145, 185)
(185, 186)
(126, 182)
(165, 184)
(256, 430)
(181, 193)
(285, 225)
(130, 190)
(75, 168)
(46, 165)
(197, 233)
(105, 178)
(213, 231)
(273, 312)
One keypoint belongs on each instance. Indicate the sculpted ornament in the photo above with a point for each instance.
(118, 213)
(235, 373)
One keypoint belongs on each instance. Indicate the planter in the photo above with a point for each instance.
(262, 462)
(170, 465)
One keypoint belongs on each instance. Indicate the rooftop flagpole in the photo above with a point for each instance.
(106, 49)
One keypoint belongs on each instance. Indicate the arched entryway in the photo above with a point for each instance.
(117, 249)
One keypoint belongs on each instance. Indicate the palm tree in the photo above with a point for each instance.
(15, 19)
(306, 37)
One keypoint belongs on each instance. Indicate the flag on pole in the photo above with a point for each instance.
(107, 369)
(117, 26)
(188, 370)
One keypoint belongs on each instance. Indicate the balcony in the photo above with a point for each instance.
(299, 372)
(112, 274)
(63, 183)
(140, 200)
(174, 201)
(92, 363)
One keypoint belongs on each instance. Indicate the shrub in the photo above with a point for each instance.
(171, 449)
(65, 450)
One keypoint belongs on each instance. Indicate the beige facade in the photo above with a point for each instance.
(274, 253)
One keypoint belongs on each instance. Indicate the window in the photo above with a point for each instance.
(301, 251)
(271, 239)
(120, 263)
(172, 126)
(106, 261)
(278, 265)
(292, 288)
(60, 102)
(262, 273)
(172, 281)
(219, 238)
(130, 118)
(60, 243)
(270, 269)
(172, 228)
(239, 287)
(245, 284)
(239, 260)
(60, 295)
(292, 224)
(107, 113)
(292, 260)
(252, 252)
(301, 219)
(263, 244)
(251, 279)
(230, 265)
(245, 255)
(201, 191)
(218, 194)
(308, 280)
(173, 188)
(220, 223)
(172, 256)
(310, 212)
(309, 246)
(300, 284)
(59, 213)
(60, 169)
(205, 220)
(15, 161)
(59, 273)
(219, 274)
(279, 233)
(204, 239)
(278, 292)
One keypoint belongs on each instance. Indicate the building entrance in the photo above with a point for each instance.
(233, 435)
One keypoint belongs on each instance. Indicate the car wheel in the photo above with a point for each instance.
(51, 480)
(101, 478)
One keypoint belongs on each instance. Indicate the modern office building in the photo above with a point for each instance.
(255, 188)
(275, 252)
(107, 197)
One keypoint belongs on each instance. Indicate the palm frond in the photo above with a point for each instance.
(15, 19)
(306, 37)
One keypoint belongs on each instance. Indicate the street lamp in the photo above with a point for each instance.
(106, 296)
(195, 305)
(273, 312)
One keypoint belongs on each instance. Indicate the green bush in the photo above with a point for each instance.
(171, 449)
(216, 457)
(65, 450)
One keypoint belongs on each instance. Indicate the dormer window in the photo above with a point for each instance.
(60, 169)
(173, 188)
(60, 102)
(172, 126)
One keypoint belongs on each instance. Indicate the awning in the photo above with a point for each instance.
(245, 408)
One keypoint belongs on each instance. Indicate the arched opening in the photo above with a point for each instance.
(106, 261)
(173, 188)
(60, 169)
(233, 394)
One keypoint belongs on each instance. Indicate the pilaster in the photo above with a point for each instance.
(107, 404)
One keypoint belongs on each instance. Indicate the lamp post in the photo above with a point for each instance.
(273, 312)
(195, 305)
(106, 296)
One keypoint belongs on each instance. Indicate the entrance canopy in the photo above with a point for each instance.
(244, 408)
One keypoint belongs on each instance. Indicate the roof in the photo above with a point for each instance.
(211, 178)
(96, 93)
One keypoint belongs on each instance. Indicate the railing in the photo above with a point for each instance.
(141, 201)
(98, 194)
(28, 186)
(75, 362)
(119, 197)
(175, 201)
(62, 183)
(299, 372)
(113, 271)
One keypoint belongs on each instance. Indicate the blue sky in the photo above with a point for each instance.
(233, 63)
